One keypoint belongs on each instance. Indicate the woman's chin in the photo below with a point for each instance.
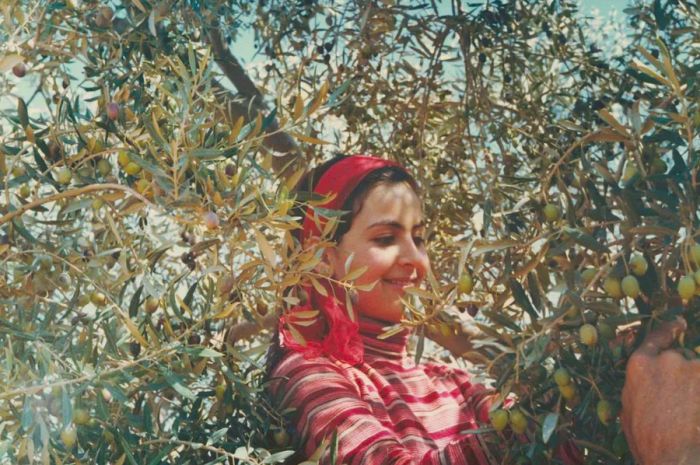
(392, 315)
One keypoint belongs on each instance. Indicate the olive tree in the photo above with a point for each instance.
(147, 209)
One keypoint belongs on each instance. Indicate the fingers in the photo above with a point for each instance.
(662, 337)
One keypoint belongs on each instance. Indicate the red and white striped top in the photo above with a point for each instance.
(386, 410)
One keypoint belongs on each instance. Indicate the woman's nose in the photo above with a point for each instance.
(413, 255)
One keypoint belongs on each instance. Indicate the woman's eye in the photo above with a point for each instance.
(384, 240)
(419, 240)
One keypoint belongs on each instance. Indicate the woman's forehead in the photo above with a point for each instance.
(391, 203)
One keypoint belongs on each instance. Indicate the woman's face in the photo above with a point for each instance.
(386, 236)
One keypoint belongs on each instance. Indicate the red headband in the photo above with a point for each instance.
(340, 179)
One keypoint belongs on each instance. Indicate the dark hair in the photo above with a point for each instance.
(353, 204)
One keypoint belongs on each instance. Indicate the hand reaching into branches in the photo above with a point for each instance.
(661, 414)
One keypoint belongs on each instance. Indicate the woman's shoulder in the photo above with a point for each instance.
(293, 363)
(313, 374)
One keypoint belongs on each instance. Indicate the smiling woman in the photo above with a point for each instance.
(337, 375)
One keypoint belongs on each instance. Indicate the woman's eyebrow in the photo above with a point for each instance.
(394, 224)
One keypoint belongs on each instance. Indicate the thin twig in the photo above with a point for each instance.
(72, 193)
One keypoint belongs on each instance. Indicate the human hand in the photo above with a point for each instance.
(457, 335)
(660, 401)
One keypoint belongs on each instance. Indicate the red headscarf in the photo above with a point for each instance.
(333, 331)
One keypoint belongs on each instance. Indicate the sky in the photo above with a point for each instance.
(602, 9)
(604, 6)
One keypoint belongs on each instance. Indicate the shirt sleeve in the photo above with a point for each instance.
(477, 397)
(324, 400)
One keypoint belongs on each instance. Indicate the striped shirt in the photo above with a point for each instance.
(385, 410)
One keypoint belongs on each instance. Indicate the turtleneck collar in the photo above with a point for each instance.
(393, 348)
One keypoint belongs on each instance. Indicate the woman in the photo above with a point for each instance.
(333, 372)
(342, 378)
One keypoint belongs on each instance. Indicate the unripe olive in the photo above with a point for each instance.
(95, 146)
(658, 166)
(604, 411)
(142, 186)
(562, 377)
(109, 437)
(613, 287)
(69, 436)
(588, 335)
(81, 416)
(123, 158)
(104, 167)
(639, 265)
(686, 287)
(518, 421)
(86, 172)
(132, 168)
(568, 391)
(606, 331)
(499, 419)
(630, 172)
(220, 390)
(25, 191)
(281, 437)
(98, 298)
(466, 283)
(588, 274)
(18, 171)
(551, 212)
(64, 176)
(619, 445)
(151, 304)
(695, 253)
(630, 286)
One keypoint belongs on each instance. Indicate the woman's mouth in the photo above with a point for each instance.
(401, 284)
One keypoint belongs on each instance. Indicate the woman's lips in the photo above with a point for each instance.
(401, 284)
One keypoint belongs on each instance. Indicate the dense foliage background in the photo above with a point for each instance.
(146, 210)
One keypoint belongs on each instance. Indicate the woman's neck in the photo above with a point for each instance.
(394, 347)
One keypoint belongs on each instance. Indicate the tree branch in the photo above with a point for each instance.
(250, 103)
(232, 68)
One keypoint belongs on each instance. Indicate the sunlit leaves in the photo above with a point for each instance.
(498, 110)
